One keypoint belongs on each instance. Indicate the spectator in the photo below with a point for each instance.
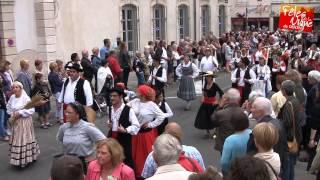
(67, 167)
(166, 153)
(7, 79)
(114, 66)
(104, 51)
(89, 70)
(175, 130)
(261, 111)
(235, 145)
(265, 137)
(104, 76)
(56, 83)
(289, 116)
(24, 76)
(248, 168)
(222, 117)
(109, 163)
(42, 88)
(125, 62)
(211, 173)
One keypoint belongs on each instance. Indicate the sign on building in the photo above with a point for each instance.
(299, 18)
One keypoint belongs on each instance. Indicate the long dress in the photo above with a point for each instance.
(186, 89)
(24, 148)
(147, 113)
(206, 109)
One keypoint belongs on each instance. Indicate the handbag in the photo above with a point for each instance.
(293, 146)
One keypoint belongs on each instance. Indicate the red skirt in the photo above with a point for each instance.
(241, 89)
(141, 147)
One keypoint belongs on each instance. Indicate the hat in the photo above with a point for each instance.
(118, 90)
(210, 73)
(245, 61)
(75, 66)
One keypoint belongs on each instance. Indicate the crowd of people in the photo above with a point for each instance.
(261, 126)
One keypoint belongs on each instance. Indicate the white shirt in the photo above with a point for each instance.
(164, 56)
(208, 64)
(147, 112)
(172, 171)
(69, 94)
(194, 69)
(16, 104)
(102, 74)
(163, 78)
(169, 112)
(242, 73)
(133, 129)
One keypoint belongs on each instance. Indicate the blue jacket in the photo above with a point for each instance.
(55, 82)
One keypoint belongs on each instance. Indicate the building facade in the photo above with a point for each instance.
(53, 29)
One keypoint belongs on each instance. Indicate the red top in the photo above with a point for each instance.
(114, 67)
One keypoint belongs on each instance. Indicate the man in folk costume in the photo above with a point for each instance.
(123, 123)
(208, 62)
(243, 78)
(158, 77)
(76, 89)
(262, 83)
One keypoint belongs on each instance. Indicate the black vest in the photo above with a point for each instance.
(158, 84)
(124, 138)
(79, 95)
(162, 126)
(247, 86)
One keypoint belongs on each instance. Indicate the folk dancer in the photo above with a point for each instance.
(187, 71)
(158, 77)
(262, 83)
(150, 117)
(75, 89)
(123, 123)
(209, 102)
(243, 78)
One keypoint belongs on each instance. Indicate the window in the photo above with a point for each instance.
(205, 20)
(159, 26)
(183, 21)
(129, 27)
(221, 19)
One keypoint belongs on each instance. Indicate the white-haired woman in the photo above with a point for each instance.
(24, 148)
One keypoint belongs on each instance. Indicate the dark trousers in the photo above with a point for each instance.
(125, 76)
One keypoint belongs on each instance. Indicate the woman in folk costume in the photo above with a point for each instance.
(24, 148)
(263, 73)
(209, 102)
(279, 67)
(150, 117)
(187, 71)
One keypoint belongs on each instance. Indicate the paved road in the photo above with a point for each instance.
(48, 145)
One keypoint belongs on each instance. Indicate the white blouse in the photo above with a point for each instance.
(147, 112)
(16, 104)
(194, 69)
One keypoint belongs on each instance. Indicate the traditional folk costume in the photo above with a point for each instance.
(208, 105)
(76, 91)
(165, 108)
(279, 68)
(150, 114)
(187, 72)
(24, 148)
(125, 117)
(243, 86)
(160, 81)
(262, 82)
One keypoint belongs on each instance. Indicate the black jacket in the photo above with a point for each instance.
(88, 69)
(281, 147)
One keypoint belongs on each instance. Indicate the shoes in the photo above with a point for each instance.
(48, 124)
(6, 138)
(43, 126)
